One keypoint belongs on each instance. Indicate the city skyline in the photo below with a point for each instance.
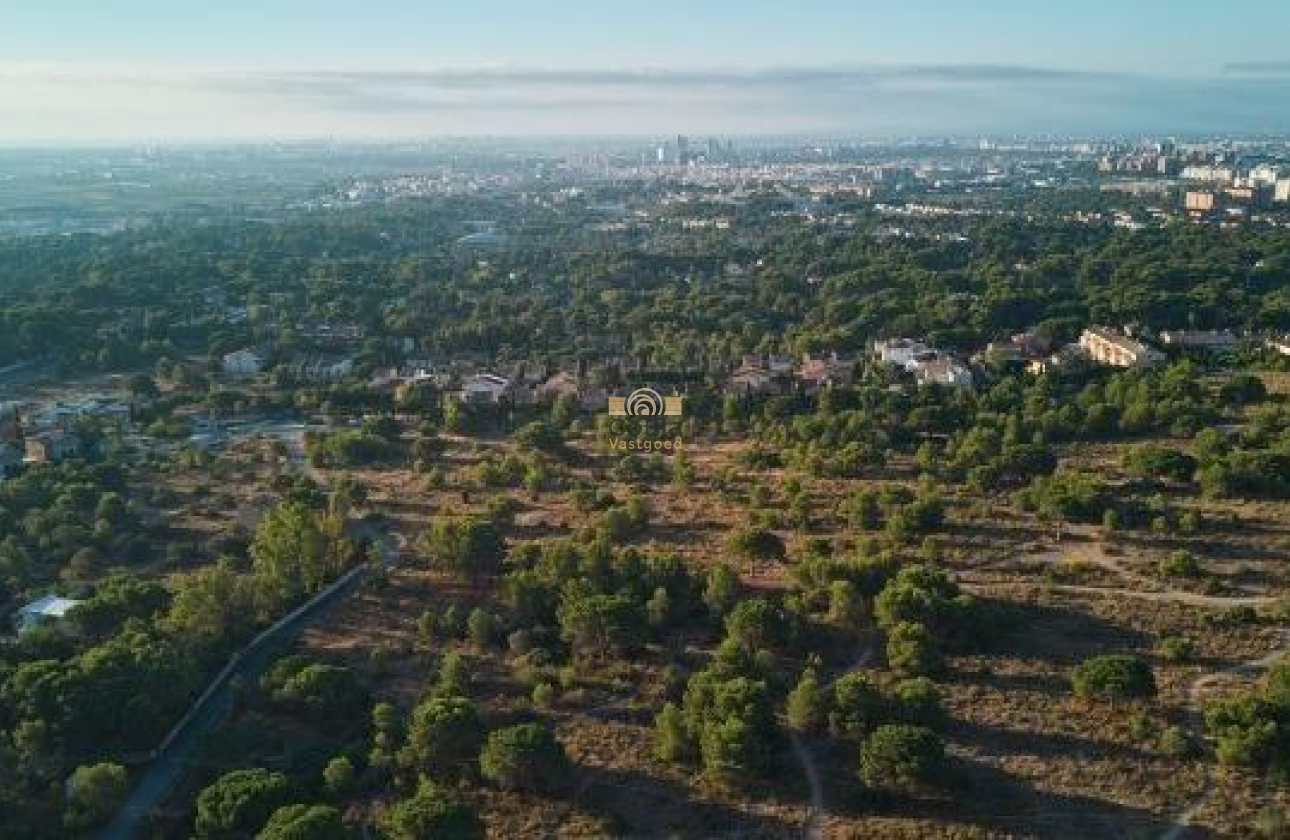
(68, 72)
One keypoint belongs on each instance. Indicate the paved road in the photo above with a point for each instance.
(171, 759)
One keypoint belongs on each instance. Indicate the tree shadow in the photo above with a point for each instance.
(997, 801)
(1060, 634)
(639, 805)
(1044, 744)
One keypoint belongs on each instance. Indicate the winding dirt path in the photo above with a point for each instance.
(1093, 553)
(810, 767)
(1195, 713)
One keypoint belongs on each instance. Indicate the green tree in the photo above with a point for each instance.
(857, 706)
(733, 750)
(387, 733)
(210, 604)
(525, 756)
(469, 546)
(481, 626)
(900, 757)
(598, 624)
(94, 792)
(544, 437)
(672, 741)
(912, 651)
(1113, 677)
(756, 544)
(806, 708)
(431, 814)
(323, 692)
(734, 722)
(721, 590)
(304, 822)
(756, 623)
(338, 776)
(296, 551)
(238, 803)
(444, 737)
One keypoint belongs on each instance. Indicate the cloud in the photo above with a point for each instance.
(1257, 68)
(70, 101)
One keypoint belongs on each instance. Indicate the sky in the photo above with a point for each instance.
(86, 70)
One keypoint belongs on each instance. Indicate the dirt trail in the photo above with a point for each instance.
(806, 758)
(1093, 553)
(1195, 713)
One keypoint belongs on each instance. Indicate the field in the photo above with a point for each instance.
(1029, 758)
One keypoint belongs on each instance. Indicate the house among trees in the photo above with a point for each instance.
(50, 445)
(905, 353)
(928, 365)
(754, 376)
(562, 384)
(245, 362)
(943, 371)
(1213, 340)
(1019, 347)
(825, 371)
(51, 608)
(323, 368)
(486, 388)
(1066, 358)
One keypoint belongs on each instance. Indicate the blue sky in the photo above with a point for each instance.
(149, 69)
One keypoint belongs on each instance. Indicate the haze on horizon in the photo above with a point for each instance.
(75, 70)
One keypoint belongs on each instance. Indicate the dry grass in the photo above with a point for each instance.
(1032, 760)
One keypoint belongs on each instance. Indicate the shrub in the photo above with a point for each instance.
(444, 736)
(900, 757)
(757, 544)
(911, 650)
(430, 814)
(857, 706)
(240, 802)
(304, 822)
(1180, 564)
(93, 794)
(1173, 742)
(1175, 648)
(806, 708)
(1113, 677)
(526, 756)
(671, 740)
(338, 776)
(543, 695)
(917, 701)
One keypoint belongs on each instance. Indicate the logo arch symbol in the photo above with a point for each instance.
(645, 402)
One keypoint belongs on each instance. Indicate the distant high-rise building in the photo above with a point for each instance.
(1265, 174)
(1282, 192)
(682, 149)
